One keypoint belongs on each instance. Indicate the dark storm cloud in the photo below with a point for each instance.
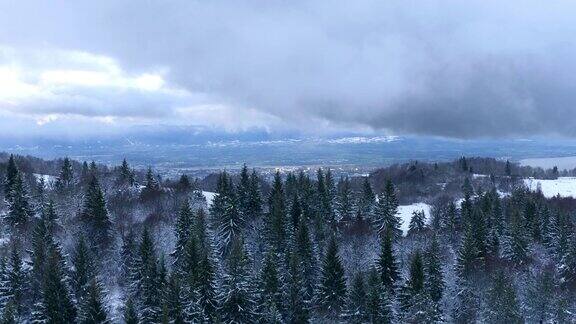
(450, 68)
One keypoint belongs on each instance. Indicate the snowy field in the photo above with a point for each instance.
(405, 212)
(568, 162)
(563, 186)
(209, 197)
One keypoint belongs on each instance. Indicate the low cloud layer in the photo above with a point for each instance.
(451, 68)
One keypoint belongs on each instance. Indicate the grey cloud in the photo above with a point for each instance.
(449, 68)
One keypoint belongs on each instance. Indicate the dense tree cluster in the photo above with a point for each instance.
(114, 245)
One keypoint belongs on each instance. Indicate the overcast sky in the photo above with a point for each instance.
(463, 69)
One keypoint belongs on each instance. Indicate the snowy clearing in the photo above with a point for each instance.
(563, 186)
(48, 179)
(209, 197)
(405, 212)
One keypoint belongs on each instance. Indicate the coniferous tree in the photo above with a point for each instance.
(184, 228)
(468, 261)
(514, 243)
(19, 209)
(502, 304)
(276, 223)
(205, 272)
(386, 264)
(270, 285)
(243, 191)
(297, 299)
(92, 309)
(65, 179)
(466, 309)
(125, 175)
(434, 281)
(95, 216)
(17, 283)
(417, 223)
(345, 201)
(224, 210)
(12, 174)
(332, 287)
(146, 281)
(540, 296)
(295, 212)
(255, 197)
(378, 304)
(130, 315)
(237, 304)
(83, 272)
(56, 305)
(356, 310)
(173, 300)
(367, 199)
(305, 255)
(386, 213)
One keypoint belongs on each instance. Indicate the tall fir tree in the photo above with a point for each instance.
(276, 219)
(502, 303)
(65, 179)
(84, 271)
(386, 264)
(367, 199)
(94, 215)
(56, 305)
(417, 224)
(224, 211)
(378, 301)
(184, 228)
(345, 202)
(434, 281)
(297, 303)
(237, 304)
(386, 213)
(92, 309)
(332, 288)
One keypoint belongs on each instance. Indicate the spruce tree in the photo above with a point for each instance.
(386, 264)
(295, 212)
(502, 304)
(367, 199)
(65, 179)
(332, 287)
(125, 175)
(304, 251)
(92, 309)
(173, 300)
(19, 209)
(184, 228)
(468, 261)
(127, 257)
(17, 281)
(95, 216)
(56, 305)
(270, 284)
(146, 281)
(378, 303)
(417, 223)
(297, 299)
(356, 308)
(345, 201)
(434, 282)
(540, 296)
(130, 315)
(236, 302)
(84, 271)
(12, 173)
(276, 220)
(224, 210)
(386, 213)
(515, 245)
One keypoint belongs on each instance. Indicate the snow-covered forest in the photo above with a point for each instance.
(88, 243)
